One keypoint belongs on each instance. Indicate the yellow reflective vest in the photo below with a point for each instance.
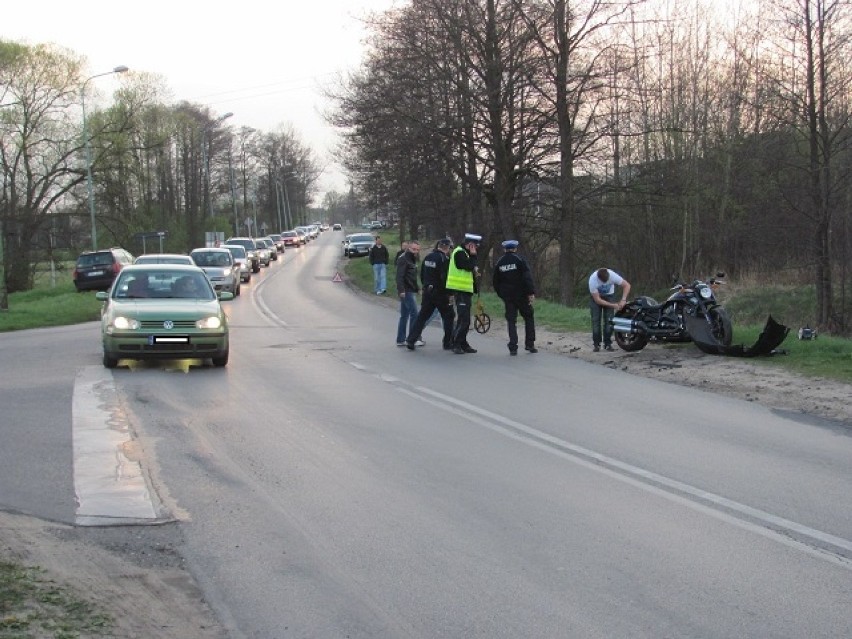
(458, 279)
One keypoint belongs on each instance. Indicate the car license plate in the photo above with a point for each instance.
(168, 339)
(95, 273)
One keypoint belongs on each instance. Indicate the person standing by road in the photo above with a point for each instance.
(603, 304)
(379, 260)
(513, 284)
(461, 283)
(407, 289)
(433, 275)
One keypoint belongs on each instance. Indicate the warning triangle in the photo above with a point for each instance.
(337, 277)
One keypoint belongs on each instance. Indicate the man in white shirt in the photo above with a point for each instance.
(604, 303)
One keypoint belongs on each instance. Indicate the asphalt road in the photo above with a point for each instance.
(331, 484)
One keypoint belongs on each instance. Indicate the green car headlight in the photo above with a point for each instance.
(125, 323)
(209, 322)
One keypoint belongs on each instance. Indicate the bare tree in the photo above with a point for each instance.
(813, 80)
(39, 148)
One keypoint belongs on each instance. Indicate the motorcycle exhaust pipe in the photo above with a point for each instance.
(624, 325)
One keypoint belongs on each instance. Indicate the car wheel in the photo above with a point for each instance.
(109, 362)
(221, 360)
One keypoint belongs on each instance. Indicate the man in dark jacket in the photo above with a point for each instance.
(379, 260)
(462, 276)
(513, 283)
(433, 275)
(407, 289)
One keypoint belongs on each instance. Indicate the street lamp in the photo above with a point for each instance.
(88, 144)
(206, 159)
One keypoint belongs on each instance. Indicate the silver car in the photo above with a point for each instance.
(220, 268)
(164, 258)
(263, 254)
(269, 243)
(242, 259)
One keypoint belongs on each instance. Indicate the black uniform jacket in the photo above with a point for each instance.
(512, 277)
(433, 272)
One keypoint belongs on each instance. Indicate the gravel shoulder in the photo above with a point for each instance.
(139, 577)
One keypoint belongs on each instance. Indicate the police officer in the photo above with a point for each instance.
(433, 275)
(461, 283)
(513, 283)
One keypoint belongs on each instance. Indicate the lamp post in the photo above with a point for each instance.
(88, 143)
(205, 158)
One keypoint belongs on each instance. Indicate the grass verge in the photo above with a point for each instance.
(31, 605)
(48, 305)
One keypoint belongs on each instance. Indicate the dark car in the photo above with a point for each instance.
(358, 244)
(96, 270)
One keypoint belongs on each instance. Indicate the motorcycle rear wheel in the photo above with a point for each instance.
(631, 342)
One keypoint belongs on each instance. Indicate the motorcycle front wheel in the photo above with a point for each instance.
(721, 326)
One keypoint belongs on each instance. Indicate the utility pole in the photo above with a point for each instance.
(4, 297)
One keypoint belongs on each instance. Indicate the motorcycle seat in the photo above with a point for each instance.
(647, 303)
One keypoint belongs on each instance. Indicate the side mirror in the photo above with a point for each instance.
(225, 296)
(102, 296)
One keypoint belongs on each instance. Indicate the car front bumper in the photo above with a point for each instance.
(162, 345)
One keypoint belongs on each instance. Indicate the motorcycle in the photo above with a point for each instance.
(644, 319)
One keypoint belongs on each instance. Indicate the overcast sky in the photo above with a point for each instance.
(264, 61)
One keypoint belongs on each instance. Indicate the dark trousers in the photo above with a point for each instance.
(601, 313)
(430, 303)
(513, 308)
(463, 303)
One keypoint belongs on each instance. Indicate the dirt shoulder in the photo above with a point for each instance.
(135, 575)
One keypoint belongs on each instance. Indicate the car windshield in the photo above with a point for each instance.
(238, 252)
(362, 238)
(211, 258)
(290, 234)
(247, 244)
(165, 284)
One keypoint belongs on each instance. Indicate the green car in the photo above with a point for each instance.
(163, 311)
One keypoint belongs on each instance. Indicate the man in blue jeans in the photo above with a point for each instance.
(603, 304)
(379, 260)
(407, 289)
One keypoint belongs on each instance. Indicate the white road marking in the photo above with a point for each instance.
(110, 486)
